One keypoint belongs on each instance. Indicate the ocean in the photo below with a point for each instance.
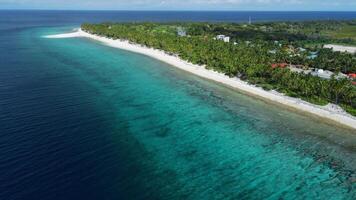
(80, 120)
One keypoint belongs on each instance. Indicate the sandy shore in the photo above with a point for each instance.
(329, 112)
(66, 35)
(341, 48)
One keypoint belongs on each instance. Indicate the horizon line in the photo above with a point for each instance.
(161, 10)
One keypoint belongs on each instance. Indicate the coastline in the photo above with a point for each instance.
(341, 48)
(330, 112)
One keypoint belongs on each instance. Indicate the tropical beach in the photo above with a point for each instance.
(218, 105)
(330, 112)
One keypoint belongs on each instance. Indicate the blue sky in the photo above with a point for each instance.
(337, 5)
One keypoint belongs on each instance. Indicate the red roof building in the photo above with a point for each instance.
(352, 75)
(281, 65)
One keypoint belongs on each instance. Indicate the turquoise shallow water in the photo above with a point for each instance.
(200, 140)
(126, 126)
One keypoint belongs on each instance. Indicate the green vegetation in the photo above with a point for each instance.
(253, 49)
(318, 32)
(344, 33)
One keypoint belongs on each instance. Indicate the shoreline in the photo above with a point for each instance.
(341, 48)
(330, 112)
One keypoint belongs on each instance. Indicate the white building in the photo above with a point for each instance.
(326, 74)
(272, 51)
(220, 37)
(223, 38)
(181, 32)
(301, 49)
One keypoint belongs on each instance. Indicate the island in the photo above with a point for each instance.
(310, 66)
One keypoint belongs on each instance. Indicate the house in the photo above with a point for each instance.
(181, 32)
(223, 38)
(220, 37)
(227, 39)
(301, 49)
(326, 74)
(313, 55)
(279, 65)
(352, 76)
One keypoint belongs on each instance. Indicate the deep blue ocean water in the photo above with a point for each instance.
(79, 120)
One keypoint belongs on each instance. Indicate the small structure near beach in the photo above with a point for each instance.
(326, 74)
(279, 65)
(312, 55)
(352, 75)
(223, 38)
(181, 32)
(301, 49)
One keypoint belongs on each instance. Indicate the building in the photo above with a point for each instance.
(223, 38)
(301, 49)
(313, 55)
(181, 32)
(326, 74)
(279, 65)
(352, 76)
(227, 39)
(220, 37)
(272, 51)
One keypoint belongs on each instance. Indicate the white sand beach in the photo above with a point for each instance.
(66, 35)
(330, 112)
(341, 48)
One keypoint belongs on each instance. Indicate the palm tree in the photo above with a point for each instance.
(338, 87)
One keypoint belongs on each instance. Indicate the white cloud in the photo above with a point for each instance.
(187, 4)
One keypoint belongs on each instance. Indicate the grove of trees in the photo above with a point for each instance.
(250, 61)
